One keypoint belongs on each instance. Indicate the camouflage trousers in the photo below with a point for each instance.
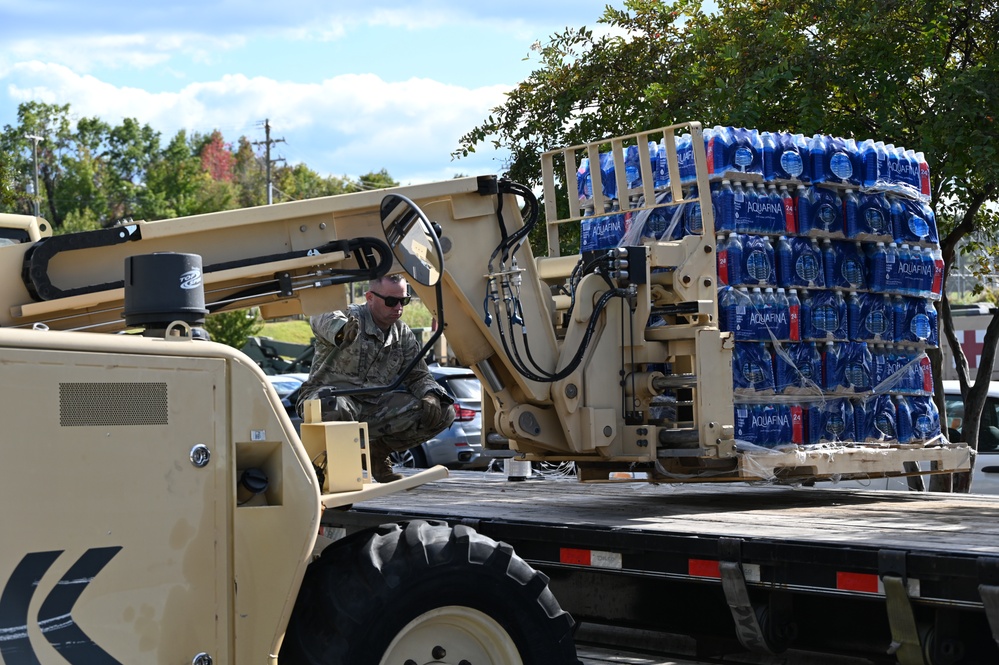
(395, 420)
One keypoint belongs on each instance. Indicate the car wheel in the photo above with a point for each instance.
(414, 458)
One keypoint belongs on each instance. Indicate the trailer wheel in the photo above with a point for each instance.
(424, 592)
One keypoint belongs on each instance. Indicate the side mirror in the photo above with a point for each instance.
(411, 236)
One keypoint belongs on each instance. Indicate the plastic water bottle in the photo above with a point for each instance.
(898, 318)
(782, 316)
(775, 211)
(832, 370)
(851, 208)
(726, 309)
(769, 315)
(859, 405)
(744, 430)
(817, 158)
(924, 176)
(874, 216)
(692, 224)
(926, 374)
(721, 254)
(752, 208)
(854, 317)
(864, 361)
(794, 316)
(928, 269)
(938, 272)
(878, 364)
(897, 209)
(805, 316)
(584, 181)
(893, 282)
(740, 214)
(735, 261)
(768, 250)
(757, 315)
(840, 164)
(903, 419)
(769, 142)
(877, 270)
(790, 218)
(784, 262)
(662, 166)
(933, 338)
(794, 158)
(632, 167)
(809, 265)
(912, 176)
(828, 263)
(725, 197)
(839, 325)
(869, 154)
(905, 271)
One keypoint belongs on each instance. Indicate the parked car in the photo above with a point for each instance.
(285, 384)
(459, 446)
(985, 477)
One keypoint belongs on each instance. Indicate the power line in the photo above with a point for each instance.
(267, 142)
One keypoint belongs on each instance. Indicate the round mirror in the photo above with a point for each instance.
(412, 239)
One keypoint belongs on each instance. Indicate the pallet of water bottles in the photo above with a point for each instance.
(884, 419)
(770, 183)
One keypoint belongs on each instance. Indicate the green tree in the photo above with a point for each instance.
(920, 74)
(375, 180)
(7, 197)
(234, 328)
(86, 167)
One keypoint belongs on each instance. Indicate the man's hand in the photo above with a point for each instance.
(348, 333)
(430, 407)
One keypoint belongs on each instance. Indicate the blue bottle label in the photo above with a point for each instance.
(791, 162)
(758, 266)
(743, 157)
(807, 267)
(826, 217)
(876, 322)
(841, 166)
(920, 327)
(876, 221)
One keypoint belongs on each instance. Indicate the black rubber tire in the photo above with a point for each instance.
(366, 588)
(414, 458)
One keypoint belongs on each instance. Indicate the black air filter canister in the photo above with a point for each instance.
(162, 288)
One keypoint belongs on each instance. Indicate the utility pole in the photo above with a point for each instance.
(35, 140)
(267, 151)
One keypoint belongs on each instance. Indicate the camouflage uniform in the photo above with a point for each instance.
(353, 352)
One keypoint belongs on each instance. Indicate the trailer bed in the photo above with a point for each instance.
(823, 570)
(949, 523)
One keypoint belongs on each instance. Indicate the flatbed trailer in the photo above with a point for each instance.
(885, 576)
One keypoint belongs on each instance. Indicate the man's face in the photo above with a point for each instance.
(383, 315)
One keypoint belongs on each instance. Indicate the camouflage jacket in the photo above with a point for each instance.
(352, 352)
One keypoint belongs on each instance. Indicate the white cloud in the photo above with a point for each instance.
(349, 124)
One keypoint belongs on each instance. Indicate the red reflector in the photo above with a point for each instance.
(463, 415)
(574, 556)
(857, 582)
(703, 568)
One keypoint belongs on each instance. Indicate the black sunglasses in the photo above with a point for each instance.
(392, 301)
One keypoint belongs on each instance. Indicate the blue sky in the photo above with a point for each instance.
(352, 87)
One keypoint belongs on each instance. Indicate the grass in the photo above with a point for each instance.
(299, 331)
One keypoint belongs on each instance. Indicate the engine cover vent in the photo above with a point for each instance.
(112, 404)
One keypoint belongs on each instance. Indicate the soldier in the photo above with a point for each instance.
(368, 346)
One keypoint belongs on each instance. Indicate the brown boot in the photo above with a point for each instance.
(381, 464)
